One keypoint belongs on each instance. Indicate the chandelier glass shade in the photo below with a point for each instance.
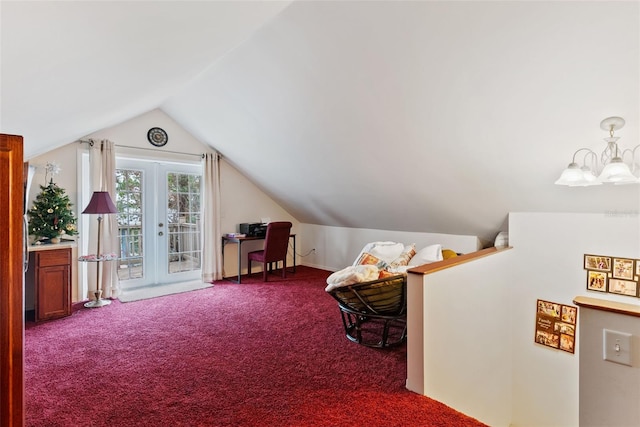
(608, 168)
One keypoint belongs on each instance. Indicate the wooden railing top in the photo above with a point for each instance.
(606, 305)
(451, 262)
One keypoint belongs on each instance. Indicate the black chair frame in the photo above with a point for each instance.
(371, 306)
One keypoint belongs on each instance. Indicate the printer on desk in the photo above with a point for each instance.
(253, 229)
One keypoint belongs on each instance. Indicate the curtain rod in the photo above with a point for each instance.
(91, 142)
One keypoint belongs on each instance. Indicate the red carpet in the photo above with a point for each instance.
(255, 354)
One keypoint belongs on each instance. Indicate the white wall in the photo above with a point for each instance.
(133, 133)
(459, 345)
(241, 200)
(337, 247)
(478, 349)
(65, 157)
(547, 264)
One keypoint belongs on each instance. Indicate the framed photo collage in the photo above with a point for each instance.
(612, 275)
(556, 325)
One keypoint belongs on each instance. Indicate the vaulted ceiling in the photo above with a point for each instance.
(436, 116)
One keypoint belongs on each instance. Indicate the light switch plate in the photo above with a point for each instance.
(617, 347)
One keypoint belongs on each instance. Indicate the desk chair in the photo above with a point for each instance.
(276, 243)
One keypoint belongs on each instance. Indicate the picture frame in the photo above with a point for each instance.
(597, 281)
(548, 339)
(548, 308)
(567, 343)
(565, 329)
(638, 267)
(623, 287)
(556, 325)
(623, 268)
(569, 314)
(597, 263)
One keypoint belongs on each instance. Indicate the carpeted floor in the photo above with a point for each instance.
(255, 354)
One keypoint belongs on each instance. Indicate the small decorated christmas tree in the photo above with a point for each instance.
(51, 215)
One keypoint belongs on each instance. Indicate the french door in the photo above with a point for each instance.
(158, 222)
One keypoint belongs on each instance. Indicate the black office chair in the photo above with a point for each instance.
(275, 248)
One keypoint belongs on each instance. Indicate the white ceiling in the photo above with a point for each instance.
(419, 116)
(73, 67)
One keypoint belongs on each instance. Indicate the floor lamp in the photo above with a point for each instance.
(100, 204)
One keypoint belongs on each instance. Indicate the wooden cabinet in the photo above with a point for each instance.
(50, 273)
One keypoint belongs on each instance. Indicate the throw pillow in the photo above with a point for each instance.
(386, 251)
(369, 259)
(448, 253)
(426, 255)
(404, 258)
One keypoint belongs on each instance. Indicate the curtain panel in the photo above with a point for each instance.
(211, 226)
(102, 160)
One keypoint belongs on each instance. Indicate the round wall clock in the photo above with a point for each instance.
(157, 137)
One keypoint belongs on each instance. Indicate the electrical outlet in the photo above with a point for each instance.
(617, 347)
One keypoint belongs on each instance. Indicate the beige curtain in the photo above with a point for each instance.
(102, 160)
(211, 234)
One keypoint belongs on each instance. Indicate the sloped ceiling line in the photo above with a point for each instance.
(412, 116)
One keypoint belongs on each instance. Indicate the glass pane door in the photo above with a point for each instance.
(129, 184)
(183, 222)
(158, 222)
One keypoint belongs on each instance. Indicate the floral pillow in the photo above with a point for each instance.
(404, 258)
(368, 259)
(386, 251)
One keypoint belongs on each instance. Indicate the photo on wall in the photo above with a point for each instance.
(556, 325)
(623, 268)
(623, 287)
(597, 262)
(597, 281)
(612, 275)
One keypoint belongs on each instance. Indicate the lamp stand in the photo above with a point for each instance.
(98, 302)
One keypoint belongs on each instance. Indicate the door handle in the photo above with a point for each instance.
(160, 233)
(161, 225)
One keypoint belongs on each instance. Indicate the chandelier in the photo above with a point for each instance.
(612, 161)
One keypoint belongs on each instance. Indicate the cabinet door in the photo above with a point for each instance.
(53, 292)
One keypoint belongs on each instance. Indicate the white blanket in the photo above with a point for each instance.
(350, 275)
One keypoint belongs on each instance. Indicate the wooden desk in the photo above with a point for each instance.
(240, 240)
